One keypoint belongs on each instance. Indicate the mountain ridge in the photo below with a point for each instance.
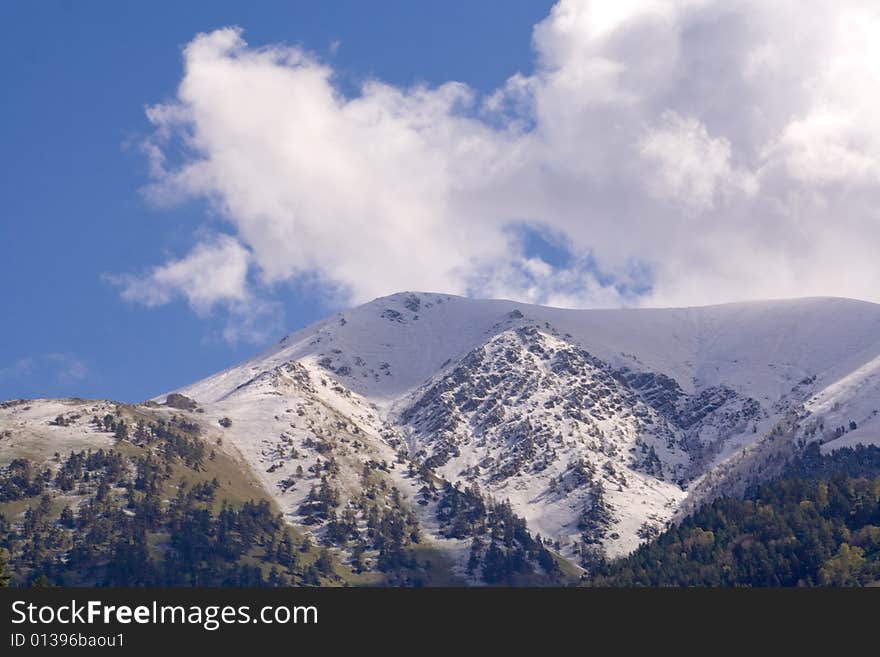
(489, 312)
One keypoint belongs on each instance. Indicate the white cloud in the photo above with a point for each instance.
(730, 149)
(827, 147)
(214, 272)
(691, 166)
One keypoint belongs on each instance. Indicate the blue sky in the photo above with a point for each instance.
(77, 77)
(183, 183)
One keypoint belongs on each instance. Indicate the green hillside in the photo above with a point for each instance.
(818, 524)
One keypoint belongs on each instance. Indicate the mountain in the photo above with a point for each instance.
(513, 442)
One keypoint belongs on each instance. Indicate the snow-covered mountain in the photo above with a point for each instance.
(598, 426)
(554, 408)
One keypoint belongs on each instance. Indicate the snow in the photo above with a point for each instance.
(32, 435)
(763, 347)
(853, 398)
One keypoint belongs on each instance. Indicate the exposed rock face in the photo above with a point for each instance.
(182, 402)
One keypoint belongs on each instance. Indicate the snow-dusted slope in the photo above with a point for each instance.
(559, 410)
(391, 345)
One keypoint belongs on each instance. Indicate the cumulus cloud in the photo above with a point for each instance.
(690, 166)
(214, 274)
(687, 152)
(215, 271)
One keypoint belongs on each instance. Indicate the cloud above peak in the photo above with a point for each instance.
(684, 152)
(215, 271)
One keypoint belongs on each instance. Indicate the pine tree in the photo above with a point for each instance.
(474, 558)
(67, 520)
(4, 577)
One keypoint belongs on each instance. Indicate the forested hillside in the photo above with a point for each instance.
(150, 511)
(819, 524)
